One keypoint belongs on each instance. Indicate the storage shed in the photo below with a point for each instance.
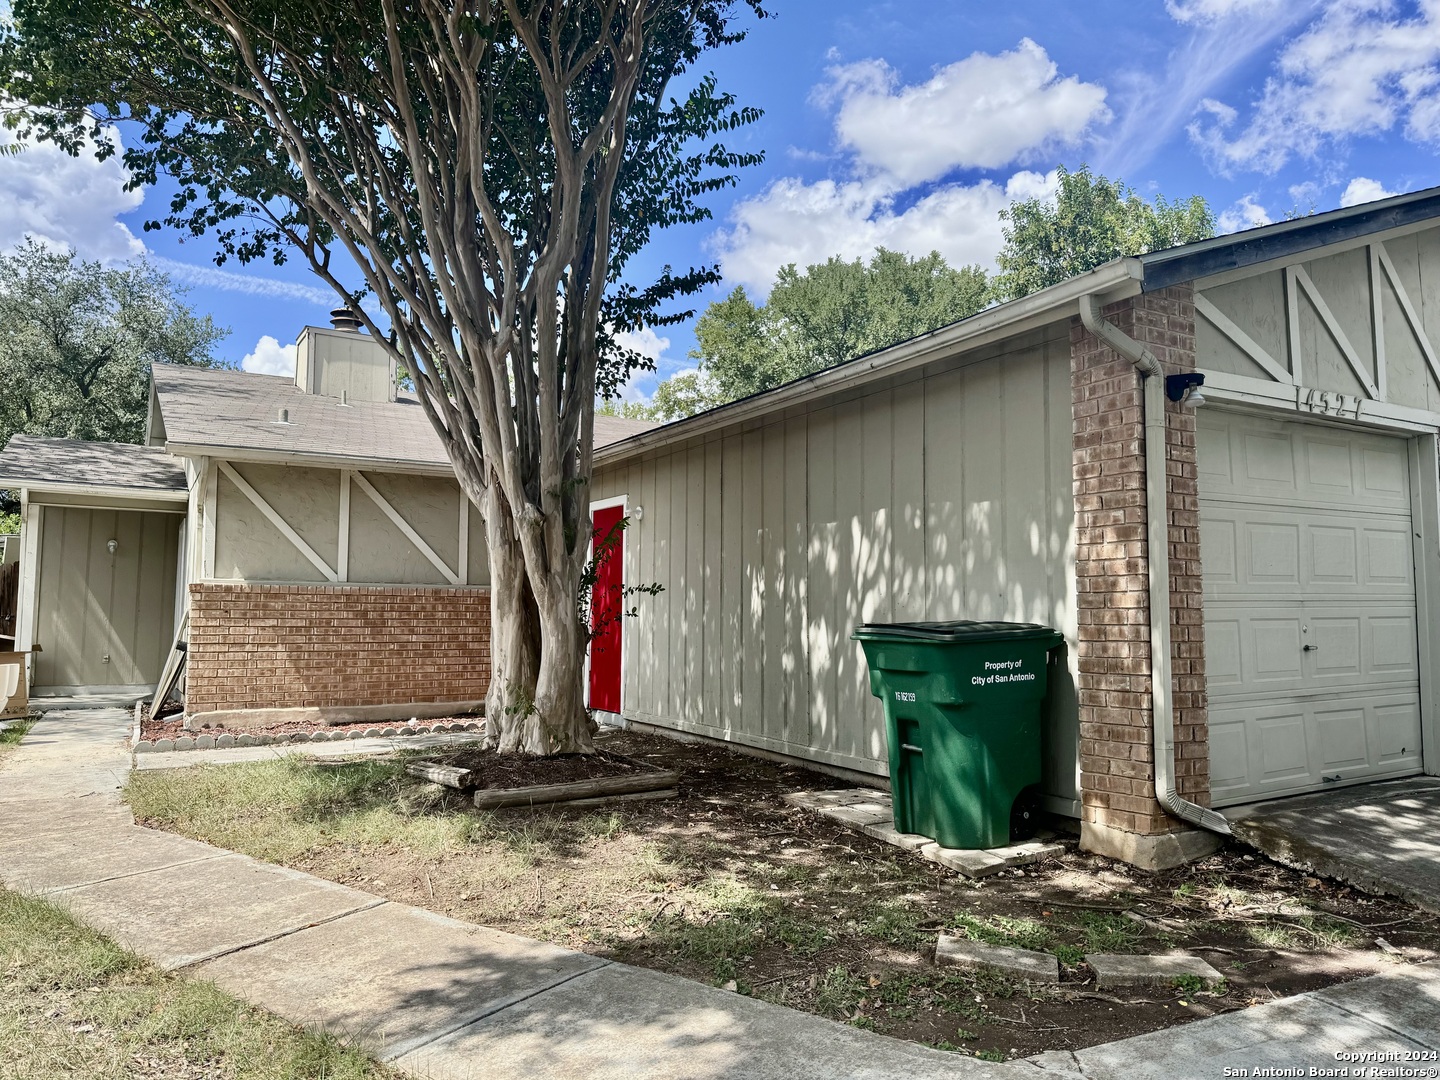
(1271, 540)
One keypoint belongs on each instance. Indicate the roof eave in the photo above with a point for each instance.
(308, 457)
(1286, 239)
(107, 491)
(1113, 281)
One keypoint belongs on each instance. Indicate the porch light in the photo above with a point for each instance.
(1185, 388)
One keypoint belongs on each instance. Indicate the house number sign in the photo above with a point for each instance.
(1326, 402)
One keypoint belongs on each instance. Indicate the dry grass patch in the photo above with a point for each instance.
(728, 884)
(75, 1004)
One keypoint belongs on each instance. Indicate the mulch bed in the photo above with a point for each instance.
(491, 770)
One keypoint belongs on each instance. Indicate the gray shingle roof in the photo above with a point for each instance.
(237, 410)
(31, 461)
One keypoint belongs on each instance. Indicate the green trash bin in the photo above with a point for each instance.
(962, 713)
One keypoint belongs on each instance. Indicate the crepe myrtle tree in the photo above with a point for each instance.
(489, 166)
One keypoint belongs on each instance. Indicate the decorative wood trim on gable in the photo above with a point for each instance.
(275, 519)
(342, 556)
(405, 527)
(1416, 327)
(1337, 334)
(1248, 345)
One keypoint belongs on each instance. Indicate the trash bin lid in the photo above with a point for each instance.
(959, 630)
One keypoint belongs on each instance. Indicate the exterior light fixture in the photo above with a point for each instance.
(1185, 388)
(638, 513)
(112, 546)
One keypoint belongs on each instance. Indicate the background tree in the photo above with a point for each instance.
(832, 312)
(1091, 221)
(77, 341)
(488, 166)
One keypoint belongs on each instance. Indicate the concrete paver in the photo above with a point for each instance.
(186, 913)
(620, 1023)
(393, 976)
(1019, 963)
(1121, 969)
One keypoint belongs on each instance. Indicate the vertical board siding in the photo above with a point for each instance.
(93, 605)
(942, 497)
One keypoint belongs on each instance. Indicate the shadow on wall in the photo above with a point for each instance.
(773, 545)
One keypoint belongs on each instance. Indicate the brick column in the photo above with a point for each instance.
(1120, 815)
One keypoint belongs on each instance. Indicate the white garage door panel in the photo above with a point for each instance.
(1258, 650)
(1264, 750)
(1295, 554)
(1257, 460)
(1312, 664)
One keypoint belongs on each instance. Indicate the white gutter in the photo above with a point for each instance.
(1157, 544)
(314, 459)
(1115, 280)
(38, 488)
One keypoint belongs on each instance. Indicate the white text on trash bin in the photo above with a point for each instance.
(1003, 671)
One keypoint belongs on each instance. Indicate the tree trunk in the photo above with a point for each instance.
(514, 632)
(563, 723)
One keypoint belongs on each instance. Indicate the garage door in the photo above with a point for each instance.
(1311, 654)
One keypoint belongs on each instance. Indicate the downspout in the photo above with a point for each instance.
(1157, 544)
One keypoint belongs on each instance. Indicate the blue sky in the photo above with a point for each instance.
(910, 125)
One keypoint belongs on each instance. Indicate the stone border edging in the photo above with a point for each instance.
(227, 740)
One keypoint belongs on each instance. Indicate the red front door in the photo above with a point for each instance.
(605, 617)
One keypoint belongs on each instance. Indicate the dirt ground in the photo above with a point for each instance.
(730, 885)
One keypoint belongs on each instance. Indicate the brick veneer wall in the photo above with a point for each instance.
(1116, 759)
(277, 646)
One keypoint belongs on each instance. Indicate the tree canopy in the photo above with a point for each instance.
(1091, 221)
(830, 313)
(77, 341)
(487, 168)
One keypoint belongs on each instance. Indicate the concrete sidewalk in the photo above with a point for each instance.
(446, 999)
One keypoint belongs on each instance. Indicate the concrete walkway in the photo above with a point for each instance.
(1380, 837)
(446, 999)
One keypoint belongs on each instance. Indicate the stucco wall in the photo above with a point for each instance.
(250, 547)
(948, 496)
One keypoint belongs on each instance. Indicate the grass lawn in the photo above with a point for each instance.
(728, 884)
(14, 731)
(75, 1004)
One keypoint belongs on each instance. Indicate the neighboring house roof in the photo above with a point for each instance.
(29, 461)
(1115, 280)
(214, 410)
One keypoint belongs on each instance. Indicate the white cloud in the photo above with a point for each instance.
(983, 112)
(646, 342)
(795, 222)
(1245, 214)
(1208, 11)
(67, 202)
(269, 357)
(1356, 71)
(212, 277)
(1362, 190)
(643, 341)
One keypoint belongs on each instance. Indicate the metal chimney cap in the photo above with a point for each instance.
(342, 318)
